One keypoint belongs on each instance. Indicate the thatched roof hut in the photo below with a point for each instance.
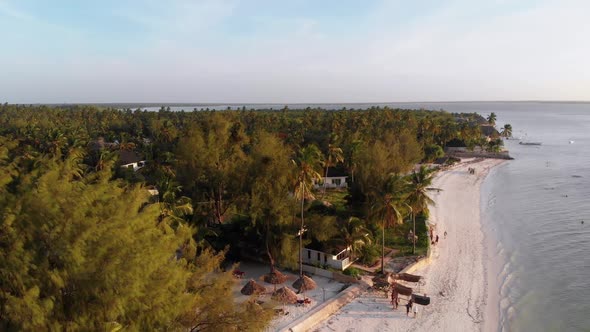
(284, 295)
(275, 277)
(304, 283)
(252, 287)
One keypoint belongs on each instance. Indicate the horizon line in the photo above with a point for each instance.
(302, 103)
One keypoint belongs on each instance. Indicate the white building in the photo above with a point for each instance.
(338, 259)
(336, 179)
(130, 159)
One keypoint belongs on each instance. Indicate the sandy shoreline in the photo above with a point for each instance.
(457, 277)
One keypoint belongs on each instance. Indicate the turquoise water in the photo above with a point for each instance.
(533, 208)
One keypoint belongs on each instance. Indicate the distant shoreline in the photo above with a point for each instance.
(279, 104)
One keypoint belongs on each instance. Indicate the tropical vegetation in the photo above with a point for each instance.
(85, 245)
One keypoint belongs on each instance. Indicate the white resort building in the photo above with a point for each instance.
(337, 258)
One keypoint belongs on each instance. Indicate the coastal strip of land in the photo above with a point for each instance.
(456, 278)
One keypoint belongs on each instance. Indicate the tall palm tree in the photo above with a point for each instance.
(418, 199)
(355, 235)
(173, 208)
(308, 162)
(352, 156)
(492, 119)
(507, 130)
(389, 205)
(334, 157)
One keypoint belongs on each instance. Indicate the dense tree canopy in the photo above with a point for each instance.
(84, 246)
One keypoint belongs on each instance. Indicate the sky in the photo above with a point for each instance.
(298, 51)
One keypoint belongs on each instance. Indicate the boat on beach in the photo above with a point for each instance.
(529, 143)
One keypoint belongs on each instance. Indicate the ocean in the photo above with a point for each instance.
(535, 211)
(533, 208)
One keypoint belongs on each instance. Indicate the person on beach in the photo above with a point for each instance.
(394, 299)
(445, 234)
(436, 241)
(415, 310)
(408, 307)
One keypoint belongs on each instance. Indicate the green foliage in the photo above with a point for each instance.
(321, 228)
(506, 130)
(82, 252)
(492, 119)
(433, 152)
(353, 272)
(369, 254)
(83, 249)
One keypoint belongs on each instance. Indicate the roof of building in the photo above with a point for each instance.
(328, 248)
(489, 130)
(336, 172)
(129, 157)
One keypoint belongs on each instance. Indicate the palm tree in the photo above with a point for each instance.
(355, 235)
(173, 208)
(352, 156)
(389, 205)
(507, 130)
(334, 157)
(418, 199)
(492, 119)
(308, 161)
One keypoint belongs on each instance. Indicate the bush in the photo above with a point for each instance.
(370, 254)
(353, 272)
(433, 152)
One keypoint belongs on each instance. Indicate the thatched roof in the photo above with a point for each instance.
(252, 288)
(284, 295)
(275, 277)
(304, 283)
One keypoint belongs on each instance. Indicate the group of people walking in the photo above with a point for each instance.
(409, 306)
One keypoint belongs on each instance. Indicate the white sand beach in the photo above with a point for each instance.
(456, 278)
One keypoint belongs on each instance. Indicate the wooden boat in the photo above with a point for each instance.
(408, 277)
(403, 290)
(421, 299)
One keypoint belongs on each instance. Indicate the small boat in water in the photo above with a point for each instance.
(529, 143)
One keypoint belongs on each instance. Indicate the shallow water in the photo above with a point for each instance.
(534, 205)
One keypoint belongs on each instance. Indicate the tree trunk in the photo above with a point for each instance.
(272, 261)
(325, 179)
(301, 231)
(414, 238)
(383, 249)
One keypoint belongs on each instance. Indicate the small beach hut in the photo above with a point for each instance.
(284, 295)
(304, 283)
(252, 287)
(275, 277)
